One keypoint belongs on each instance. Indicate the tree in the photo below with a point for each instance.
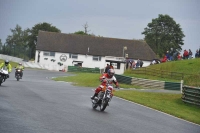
(32, 39)
(80, 33)
(162, 34)
(17, 42)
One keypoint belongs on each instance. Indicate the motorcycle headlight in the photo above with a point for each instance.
(18, 70)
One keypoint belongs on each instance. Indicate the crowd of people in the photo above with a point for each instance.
(131, 64)
(176, 55)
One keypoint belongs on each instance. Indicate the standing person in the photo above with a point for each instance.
(6, 66)
(141, 63)
(106, 77)
(168, 56)
(179, 56)
(197, 53)
(107, 68)
(185, 54)
(111, 66)
(133, 65)
(138, 63)
(190, 54)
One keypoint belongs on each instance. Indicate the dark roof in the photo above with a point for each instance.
(100, 46)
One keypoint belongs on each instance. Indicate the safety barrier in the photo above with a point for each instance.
(10, 58)
(83, 69)
(191, 95)
(123, 79)
(146, 83)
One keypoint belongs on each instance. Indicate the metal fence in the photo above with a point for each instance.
(83, 69)
(146, 83)
(191, 95)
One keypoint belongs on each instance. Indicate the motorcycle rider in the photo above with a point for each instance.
(21, 67)
(106, 77)
(6, 66)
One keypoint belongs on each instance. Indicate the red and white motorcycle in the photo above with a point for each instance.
(103, 98)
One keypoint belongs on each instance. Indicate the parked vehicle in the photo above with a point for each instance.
(3, 75)
(103, 98)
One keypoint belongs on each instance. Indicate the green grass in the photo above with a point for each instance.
(88, 79)
(168, 103)
(13, 64)
(191, 66)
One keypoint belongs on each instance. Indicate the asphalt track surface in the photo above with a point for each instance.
(37, 104)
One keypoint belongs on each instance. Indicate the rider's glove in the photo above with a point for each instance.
(104, 80)
(117, 86)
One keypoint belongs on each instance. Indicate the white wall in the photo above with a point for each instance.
(10, 58)
(87, 62)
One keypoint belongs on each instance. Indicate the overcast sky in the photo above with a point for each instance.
(124, 19)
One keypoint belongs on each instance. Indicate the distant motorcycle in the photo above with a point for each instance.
(18, 73)
(3, 75)
(103, 98)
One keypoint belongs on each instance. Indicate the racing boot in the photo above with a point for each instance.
(95, 95)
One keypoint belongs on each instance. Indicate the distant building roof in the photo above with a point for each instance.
(92, 45)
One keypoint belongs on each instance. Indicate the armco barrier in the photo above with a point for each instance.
(123, 79)
(146, 83)
(191, 95)
(83, 69)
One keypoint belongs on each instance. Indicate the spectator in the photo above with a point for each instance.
(133, 65)
(164, 59)
(141, 63)
(197, 53)
(168, 56)
(107, 68)
(130, 65)
(190, 54)
(138, 63)
(185, 54)
(179, 56)
(153, 62)
(111, 66)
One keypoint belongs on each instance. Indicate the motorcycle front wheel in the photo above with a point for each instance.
(103, 105)
(1, 80)
(94, 106)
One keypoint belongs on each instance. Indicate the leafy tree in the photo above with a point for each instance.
(163, 33)
(32, 38)
(17, 42)
(80, 33)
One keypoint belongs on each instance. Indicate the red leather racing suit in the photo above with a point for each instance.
(105, 77)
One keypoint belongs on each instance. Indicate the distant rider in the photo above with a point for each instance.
(106, 77)
(6, 66)
(21, 67)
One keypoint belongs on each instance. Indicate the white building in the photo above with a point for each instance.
(57, 51)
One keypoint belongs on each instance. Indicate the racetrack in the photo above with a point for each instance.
(37, 104)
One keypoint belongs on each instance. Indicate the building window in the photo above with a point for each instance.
(46, 53)
(97, 58)
(49, 54)
(73, 56)
(52, 54)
